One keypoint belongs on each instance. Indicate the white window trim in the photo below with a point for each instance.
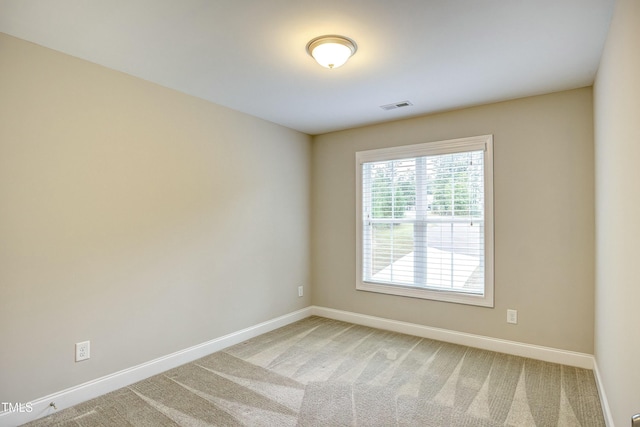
(483, 142)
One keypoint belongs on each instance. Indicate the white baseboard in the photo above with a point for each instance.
(547, 354)
(608, 418)
(83, 392)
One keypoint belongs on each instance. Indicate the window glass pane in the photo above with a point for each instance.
(453, 257)
(392, 253)
(423, 222)
(455, 184)
(392, 188)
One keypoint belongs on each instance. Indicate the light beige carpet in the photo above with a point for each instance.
(321, 372)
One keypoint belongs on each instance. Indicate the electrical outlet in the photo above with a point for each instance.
(83, 350)
(300, 291)
(512, 316)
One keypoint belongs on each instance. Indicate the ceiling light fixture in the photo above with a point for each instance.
(331, 51)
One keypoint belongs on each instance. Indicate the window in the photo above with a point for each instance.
(425, 220)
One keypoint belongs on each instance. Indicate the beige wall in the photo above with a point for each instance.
(544, 220)
(136, 217)
(617, 142)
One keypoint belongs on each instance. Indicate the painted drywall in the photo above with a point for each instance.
(617, 149)
(139, 218)
(544, 220)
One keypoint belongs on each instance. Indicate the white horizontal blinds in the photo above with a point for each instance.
(389, 199)
(423, 221)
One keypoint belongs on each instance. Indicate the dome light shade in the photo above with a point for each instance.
(331, 51)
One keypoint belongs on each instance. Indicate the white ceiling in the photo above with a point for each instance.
(250, 55)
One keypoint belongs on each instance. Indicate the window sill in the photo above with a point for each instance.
(430, 294)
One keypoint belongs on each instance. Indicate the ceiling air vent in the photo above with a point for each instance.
(396, 105)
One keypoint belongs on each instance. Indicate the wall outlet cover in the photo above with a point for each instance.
(83, 350)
